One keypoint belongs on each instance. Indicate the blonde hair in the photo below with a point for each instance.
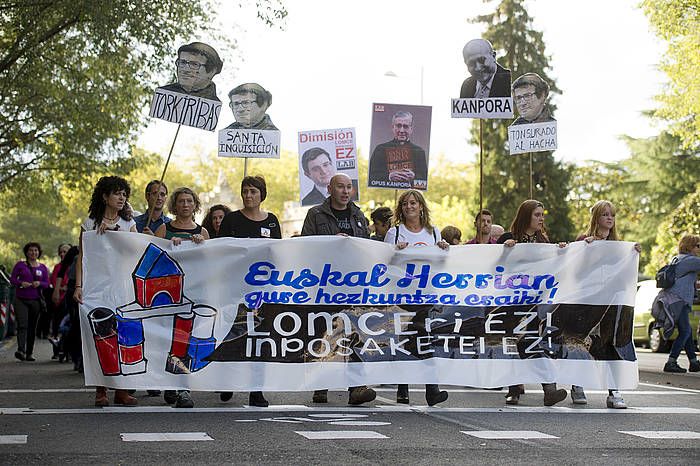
(687, 243)
(597, 212)
(425, 212)
(172, 202)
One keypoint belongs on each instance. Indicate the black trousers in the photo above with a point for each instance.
(27, 313)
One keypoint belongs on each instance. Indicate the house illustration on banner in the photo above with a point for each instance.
(158, 282)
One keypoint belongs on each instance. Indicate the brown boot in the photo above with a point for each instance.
(101, 396)
(122, 397)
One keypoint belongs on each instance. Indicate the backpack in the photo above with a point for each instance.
(666, 276)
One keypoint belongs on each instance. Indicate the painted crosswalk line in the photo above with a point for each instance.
(165, 437)
(339, 434)
(13, 439)
(663, 434)
(508, 434)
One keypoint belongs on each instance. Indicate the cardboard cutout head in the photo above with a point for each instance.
(249, 102)
(530, 94)
(488, 78)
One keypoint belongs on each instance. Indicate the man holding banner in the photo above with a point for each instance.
(338, 215)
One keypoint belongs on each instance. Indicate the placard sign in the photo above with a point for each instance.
(253, 143)
(535, 137)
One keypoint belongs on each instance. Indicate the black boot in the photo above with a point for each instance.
(402, 394)
(433, 395)
(257, 399)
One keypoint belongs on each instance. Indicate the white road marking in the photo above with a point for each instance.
(339, 434)
(349, 416)
(165, 437)
(663, 434)
(677, 389)
(359, 423)
(556, 410)
(245, 420)
(13, 439)
(507, 434)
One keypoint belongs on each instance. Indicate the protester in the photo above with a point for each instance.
(452, 235)
(156, 195)
(381, 222)
(684, 288)
(250, 222)
(184, 203)
(212, 221)
(602, 226)
(496, 232)
(59, 285)
(68, 344)
(413, 229)
(338, 215)
(29, 277)
(528, 227)
(106, 212)
(483, 224)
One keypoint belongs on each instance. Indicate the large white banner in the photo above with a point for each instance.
(331, 312)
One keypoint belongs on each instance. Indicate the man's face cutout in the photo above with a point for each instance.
(192, 74)
(246, 110)
(526, 101)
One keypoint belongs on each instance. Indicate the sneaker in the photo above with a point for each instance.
(320, 396)
(225, 396)
(20, 355)
(184, 400)
(554, 396)
(170, 396)
(513, 395)
(257, 399)
(578, 396)
(615, 401)
(359, 395)
(694, 366)
(673, 367)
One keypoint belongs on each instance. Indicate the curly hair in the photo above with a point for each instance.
(208, 221)
(172, 202)
(105, 186)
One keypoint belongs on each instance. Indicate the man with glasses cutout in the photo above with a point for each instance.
(530, 94)
(399, 163)
(249, 102)
(197, 64)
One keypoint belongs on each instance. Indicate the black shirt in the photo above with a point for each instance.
(343, 217)
(237, 225)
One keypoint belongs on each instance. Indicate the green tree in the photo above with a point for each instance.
(678, 22)
(75, 76)
(684, 220)
(506, 177)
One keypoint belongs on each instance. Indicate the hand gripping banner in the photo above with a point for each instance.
(333, 312)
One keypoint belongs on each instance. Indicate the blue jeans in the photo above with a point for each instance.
(685, 336)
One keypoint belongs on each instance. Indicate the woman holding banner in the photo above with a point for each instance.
(602, 227)
(412, 228)
(251, 222)
(528, 227)
(184, 204)
(107, 211)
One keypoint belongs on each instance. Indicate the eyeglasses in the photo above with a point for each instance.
(243, 103)
(193, 65)
(524, 97)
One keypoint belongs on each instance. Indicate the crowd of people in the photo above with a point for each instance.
(408, 226)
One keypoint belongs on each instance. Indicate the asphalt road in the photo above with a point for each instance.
(47, 416)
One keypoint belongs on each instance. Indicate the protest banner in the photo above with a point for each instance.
(400, 143)
(247, 314)
(322, 154)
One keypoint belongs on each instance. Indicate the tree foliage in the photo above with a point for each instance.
(75, 76)
(506, 177)
(678, 22)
